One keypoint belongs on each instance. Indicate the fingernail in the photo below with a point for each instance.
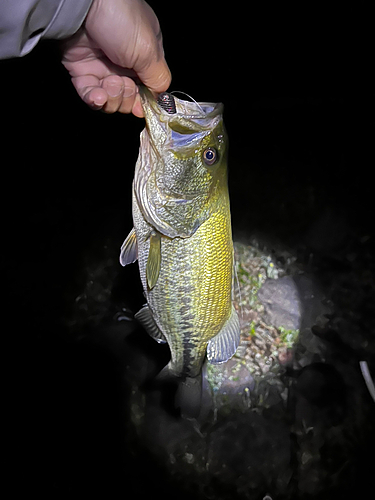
(96, 105)
(114, 90)
(129, 91)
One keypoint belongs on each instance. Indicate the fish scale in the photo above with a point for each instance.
(197, 270)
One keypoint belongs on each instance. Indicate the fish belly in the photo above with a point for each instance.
(191, 300)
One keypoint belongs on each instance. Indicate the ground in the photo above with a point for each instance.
(290, 416)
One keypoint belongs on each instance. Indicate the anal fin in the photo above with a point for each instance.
(223, 346)
(129, 249)
(145, 317)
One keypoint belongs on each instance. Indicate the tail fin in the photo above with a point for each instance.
(188, 395)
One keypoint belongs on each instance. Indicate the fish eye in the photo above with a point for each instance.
(210, 156)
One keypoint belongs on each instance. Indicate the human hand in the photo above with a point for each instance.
(119, 39)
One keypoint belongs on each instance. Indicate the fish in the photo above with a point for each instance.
(182, 235)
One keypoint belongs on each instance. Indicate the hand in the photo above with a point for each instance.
(118, 40)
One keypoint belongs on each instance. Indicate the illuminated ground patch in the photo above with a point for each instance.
(270, 307)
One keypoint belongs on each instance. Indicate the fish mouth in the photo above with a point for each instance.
(170, 108)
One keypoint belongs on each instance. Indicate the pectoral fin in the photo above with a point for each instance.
(224, 344)
(145, 317)
(129, 249)
(154, 260)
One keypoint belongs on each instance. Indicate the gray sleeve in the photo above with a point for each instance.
(24, 22)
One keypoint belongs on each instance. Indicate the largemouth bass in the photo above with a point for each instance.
(182, 233)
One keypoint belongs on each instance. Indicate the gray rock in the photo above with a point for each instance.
(312, 299)
(282, 303)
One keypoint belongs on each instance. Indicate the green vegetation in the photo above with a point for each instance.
(288, 337)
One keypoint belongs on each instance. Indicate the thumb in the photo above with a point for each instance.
(128, 32)
(156, 76)
(150, 64)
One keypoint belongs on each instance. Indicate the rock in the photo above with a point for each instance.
(312, 299)
(231, 384)
(281, 302)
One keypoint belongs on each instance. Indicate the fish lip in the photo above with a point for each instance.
(149, 100)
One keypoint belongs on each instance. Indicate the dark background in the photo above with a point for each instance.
(299, 111)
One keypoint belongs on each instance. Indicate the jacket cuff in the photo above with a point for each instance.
(24, 22)
(67, 19)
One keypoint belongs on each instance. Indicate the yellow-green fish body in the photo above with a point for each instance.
(182, 234)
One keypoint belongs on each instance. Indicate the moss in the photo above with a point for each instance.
(252, 331)
(288, 337)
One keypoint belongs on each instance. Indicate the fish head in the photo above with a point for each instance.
(181, 170)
